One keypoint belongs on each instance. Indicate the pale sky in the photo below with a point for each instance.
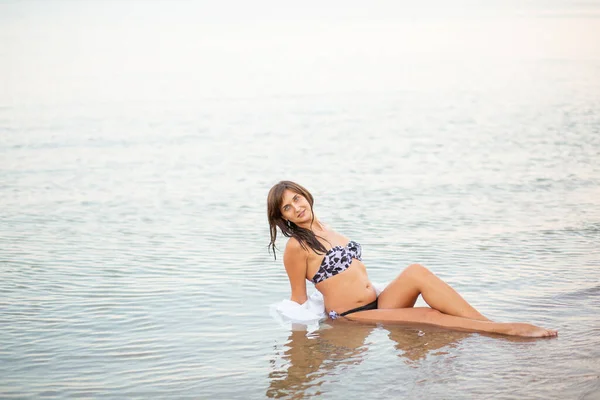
(66, 51)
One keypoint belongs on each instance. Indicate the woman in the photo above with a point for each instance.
(334, 264)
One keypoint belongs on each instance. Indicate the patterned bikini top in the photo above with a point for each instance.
(337, 260)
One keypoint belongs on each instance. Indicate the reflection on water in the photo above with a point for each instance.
(306, 361)
(415, 346)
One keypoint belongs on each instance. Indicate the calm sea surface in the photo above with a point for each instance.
(133, 232)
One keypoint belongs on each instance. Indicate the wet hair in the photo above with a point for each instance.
(305, 237)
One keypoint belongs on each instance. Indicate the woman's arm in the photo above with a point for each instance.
(294, 259)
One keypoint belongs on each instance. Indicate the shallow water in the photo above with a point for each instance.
(133, 236)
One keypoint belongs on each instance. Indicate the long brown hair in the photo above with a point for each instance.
(305, 237)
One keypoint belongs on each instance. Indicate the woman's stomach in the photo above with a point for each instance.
(347, 290)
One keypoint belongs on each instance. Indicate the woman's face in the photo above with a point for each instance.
(295, 208)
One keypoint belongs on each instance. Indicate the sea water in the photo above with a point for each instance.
(137, 147)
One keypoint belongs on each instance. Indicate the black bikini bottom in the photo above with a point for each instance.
(370, 306)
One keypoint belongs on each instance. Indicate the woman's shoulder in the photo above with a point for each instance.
(293, 246)
(294, 252)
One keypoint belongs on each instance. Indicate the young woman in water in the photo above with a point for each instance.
(333, 263)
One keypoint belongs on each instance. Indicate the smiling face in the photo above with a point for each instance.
(288, 202)
(295, 208)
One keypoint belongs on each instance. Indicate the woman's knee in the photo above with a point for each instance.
(416, 270)
(430, 315)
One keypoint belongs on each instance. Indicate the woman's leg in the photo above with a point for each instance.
(424, 315)
(417, 280)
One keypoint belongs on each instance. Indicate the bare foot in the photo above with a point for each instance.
(528, 330)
